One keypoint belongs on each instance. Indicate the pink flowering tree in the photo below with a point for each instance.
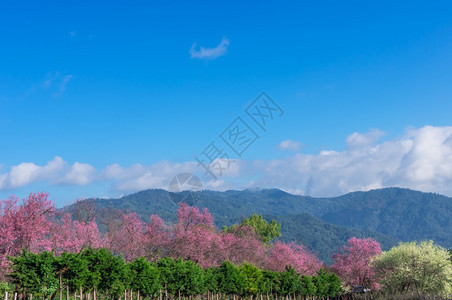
(352, 262)
(156, 239)
(26, 225)
(297, 256)
(73, 236)
(241, 244)
(193, 236)
(129, 239)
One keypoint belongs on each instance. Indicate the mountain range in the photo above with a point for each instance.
(389, 215)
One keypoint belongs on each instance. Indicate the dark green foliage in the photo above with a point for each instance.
(397, 214)
(144, 277)
(101, 271)
(230, 279)
(35, 273)
(268, 284)
(179, 276)
(322, 238)
(107, 273)
(307, 286)
(288, 282)
(74, 272)
(327, 284)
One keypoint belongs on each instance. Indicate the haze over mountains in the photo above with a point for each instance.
(322, 224)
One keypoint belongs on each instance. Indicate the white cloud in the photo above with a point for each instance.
(290, 145)
(56, 171)
(356, 140)
(421, 159)
(210, 53)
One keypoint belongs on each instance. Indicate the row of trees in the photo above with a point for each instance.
(36, 226)
(100, 273)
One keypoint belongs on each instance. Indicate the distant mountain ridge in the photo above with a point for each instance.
(390, 214)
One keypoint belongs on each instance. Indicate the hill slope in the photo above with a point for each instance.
(397, 213)
(323, 238)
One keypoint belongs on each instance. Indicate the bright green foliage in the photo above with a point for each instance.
(144, 277)
(101, 271)
(5, 287)
(73, 270)
(106, 271)
(307, 287)
(230, 279)
(253, 277)
(211, 280)
(267, 232)
(422, 268)
(191, 278)
(268, 284)
(327, 284)
(35, 273)
(181, 276)
(288, 281)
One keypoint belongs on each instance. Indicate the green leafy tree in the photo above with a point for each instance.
(167, 268)
(72, 271)
(288, 281)
(144, 277)
(421, 268)
(253, 277)
(307, 286)
(231, 280)
(107, 272)
(266, 231)
(211, 280)
(35, 273)
(267, 284)
(190, 278)
(327, 284)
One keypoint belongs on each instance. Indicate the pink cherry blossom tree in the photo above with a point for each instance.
(73, 236)
(352, 262)
(284, 254)
(129, 240)
(156, 239)
(26, 225)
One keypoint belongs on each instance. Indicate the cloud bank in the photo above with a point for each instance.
(421, 159)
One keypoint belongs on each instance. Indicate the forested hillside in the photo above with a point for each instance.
(322, 238)
(388, 215)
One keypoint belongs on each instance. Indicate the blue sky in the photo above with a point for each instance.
(120, 96)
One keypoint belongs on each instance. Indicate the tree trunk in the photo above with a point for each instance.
(61, 287)
(67, 292)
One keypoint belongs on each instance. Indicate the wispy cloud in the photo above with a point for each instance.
(290, 145)
(421, 159)
(210, 53)
(56, 82)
